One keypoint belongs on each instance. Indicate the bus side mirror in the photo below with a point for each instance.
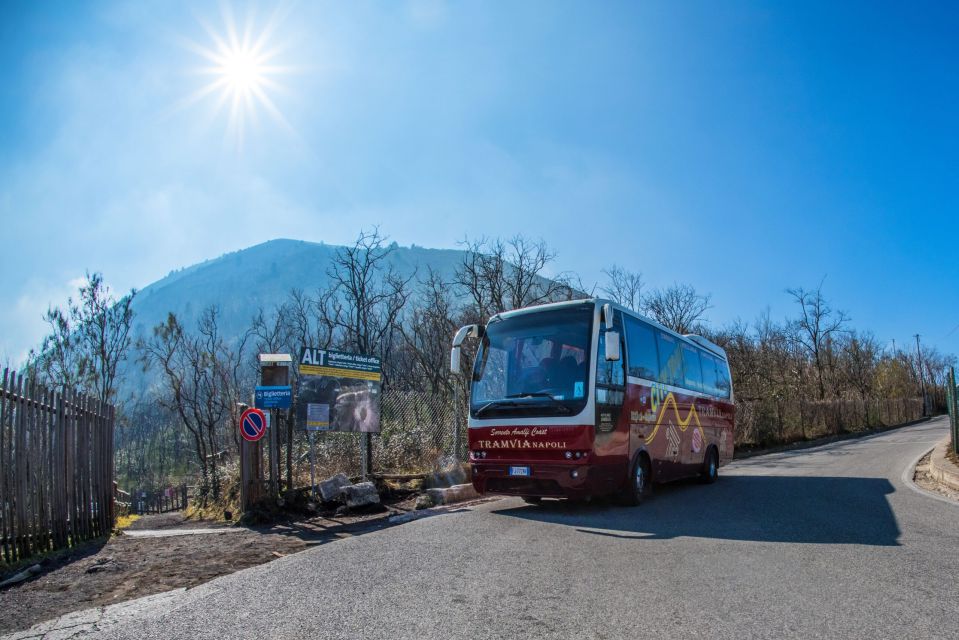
(469, 331)
(612, 346)
(455, 360)
(608, 315)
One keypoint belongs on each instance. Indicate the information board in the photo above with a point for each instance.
(338, 391)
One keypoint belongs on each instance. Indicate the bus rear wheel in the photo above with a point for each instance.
(710, 470)
(640, 482)
(532, 500)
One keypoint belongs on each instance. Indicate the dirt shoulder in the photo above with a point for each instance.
(124, 567)
(924, 478)
(938, 471)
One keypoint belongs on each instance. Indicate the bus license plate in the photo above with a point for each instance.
(519, 471)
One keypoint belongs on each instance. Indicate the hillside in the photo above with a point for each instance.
(241, 282)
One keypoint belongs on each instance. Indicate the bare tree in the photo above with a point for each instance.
(271, 330)
(431, 324)
(202, 379)
(366, 296)
(678, 307)
(860, 353)
(815, 328)
(624, 287)
(305, 320)
(499, 275)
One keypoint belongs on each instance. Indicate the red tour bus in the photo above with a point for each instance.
(587, 398)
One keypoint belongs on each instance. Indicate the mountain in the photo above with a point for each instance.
(261, 276)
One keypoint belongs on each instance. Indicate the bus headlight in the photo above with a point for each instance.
(569, 455)
(574, 473)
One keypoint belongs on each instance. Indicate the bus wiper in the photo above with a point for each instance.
(543, 394)
(509, 403)
(494, 403)
(532, 394)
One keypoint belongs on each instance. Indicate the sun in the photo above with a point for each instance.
(243, 73)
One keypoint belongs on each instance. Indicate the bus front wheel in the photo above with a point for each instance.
(640, 482)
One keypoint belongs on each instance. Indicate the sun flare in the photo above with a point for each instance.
(244, 74)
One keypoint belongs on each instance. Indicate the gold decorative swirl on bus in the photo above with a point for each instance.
(683, 424)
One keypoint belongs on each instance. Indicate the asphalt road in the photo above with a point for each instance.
(820, 543)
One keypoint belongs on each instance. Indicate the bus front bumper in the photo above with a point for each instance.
(545, 480)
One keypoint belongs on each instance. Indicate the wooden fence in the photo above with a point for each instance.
(56, 468)
(160, 501)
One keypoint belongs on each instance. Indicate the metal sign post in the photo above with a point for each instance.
(312, 464)
(367, 454)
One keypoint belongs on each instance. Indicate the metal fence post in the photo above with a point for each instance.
(366, 454)
(952, 403)
(457, 446)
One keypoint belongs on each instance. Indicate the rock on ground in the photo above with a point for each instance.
(331, 489)
(361, 495)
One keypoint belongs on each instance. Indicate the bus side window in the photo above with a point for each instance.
(670, 360)
(693, 372)
(611, 373)
(722, 373)
(710, 380)
(643, 359)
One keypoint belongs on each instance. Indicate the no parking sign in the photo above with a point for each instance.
(252, 425)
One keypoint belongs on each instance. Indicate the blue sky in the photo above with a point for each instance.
(740, 147)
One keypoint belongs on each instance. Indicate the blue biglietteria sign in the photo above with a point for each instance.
(273, 397)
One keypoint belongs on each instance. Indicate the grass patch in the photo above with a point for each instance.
(125, 521)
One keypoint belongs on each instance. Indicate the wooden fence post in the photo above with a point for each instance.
(5, 444)
(23, 548)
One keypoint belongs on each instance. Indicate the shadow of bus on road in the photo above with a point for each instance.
(792, 509)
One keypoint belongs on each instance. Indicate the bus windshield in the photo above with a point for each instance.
(534, 364)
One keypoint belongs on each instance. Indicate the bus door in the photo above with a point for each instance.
(611, 443)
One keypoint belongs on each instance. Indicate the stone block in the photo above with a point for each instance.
(361, 495)
(331, 489)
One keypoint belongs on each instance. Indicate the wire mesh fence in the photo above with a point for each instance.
(422, 431)
(419, 431)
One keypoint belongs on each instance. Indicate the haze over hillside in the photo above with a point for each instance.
(241, 282)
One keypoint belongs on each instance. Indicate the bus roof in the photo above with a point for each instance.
(691, 338)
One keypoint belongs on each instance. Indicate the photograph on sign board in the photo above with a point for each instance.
(338, 391)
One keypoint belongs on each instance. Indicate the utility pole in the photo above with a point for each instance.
(922, 377)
